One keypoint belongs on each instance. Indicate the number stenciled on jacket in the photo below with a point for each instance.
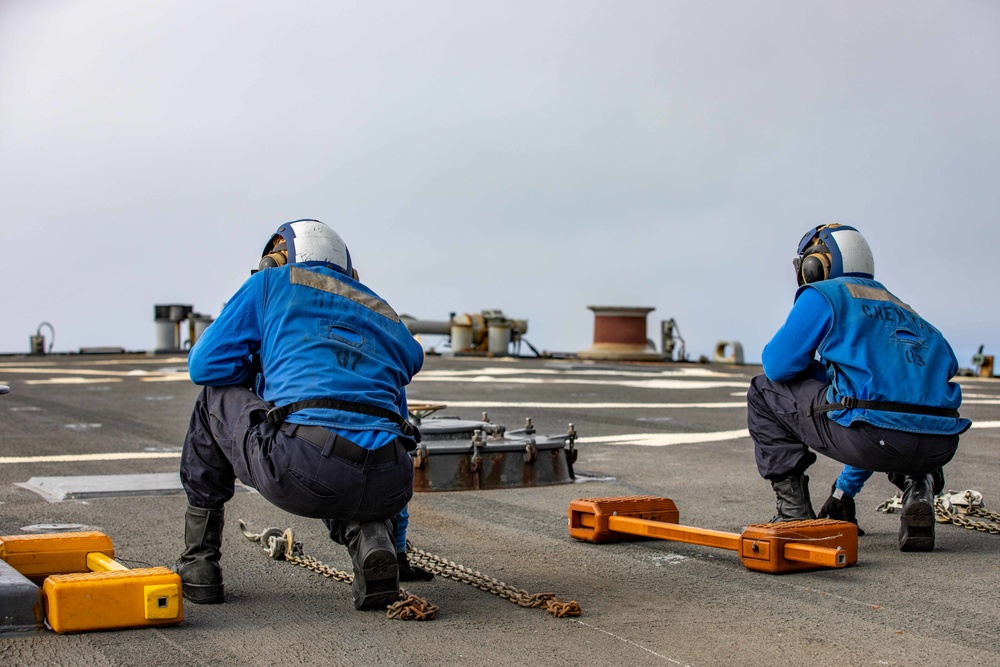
(348, 359)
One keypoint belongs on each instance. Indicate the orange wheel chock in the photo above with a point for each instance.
(776, 548)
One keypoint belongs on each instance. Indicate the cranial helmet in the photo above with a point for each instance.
(831, 251)
(306, 241)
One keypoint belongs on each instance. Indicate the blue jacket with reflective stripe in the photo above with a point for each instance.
(318, 334)
(878, 349)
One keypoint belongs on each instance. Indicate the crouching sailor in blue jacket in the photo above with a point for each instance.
(856, 375)
(304, 374)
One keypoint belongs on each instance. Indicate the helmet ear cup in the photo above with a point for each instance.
(277, 257)
(815, 267)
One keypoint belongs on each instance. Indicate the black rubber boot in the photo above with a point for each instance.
(916, 522)
(198, 566)
(373, 555)
(409, 572)
(793, 499)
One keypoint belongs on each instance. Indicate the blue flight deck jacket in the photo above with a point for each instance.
(317, 334)
(874, 347)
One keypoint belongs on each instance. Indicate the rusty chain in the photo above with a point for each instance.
(955, 507)
(281, 545)
(460, 573)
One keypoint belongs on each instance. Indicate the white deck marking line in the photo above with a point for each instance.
(639, 439)
(123, 362)
(684, 372)
(664, 439)
(77, 458)
(73, 380)
(100, 376)
(68, 371)
(629, 641)
(654, 383)
(670, 439)
(100, 362)
(584, 406)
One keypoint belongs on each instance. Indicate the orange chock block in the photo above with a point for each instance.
(777, 548)
(797, 546)
(38, 556)
(588, 517)
(113, 599)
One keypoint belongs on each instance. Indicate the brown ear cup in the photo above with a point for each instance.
(815, 267)
(277, 257)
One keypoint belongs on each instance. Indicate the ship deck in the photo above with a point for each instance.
(670, 430)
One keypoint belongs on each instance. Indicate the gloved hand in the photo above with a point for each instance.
(408, 572)
(840, 509)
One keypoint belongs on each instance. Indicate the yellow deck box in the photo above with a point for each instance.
(113, 599)
(38, 556)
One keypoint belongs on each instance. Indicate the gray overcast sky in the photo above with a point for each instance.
(537, 157)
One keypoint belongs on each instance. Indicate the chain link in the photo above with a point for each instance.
(281, 545)
(957, 515)
(954, 507)
(464, 575)
(985, 513)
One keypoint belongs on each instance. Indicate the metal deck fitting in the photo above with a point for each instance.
(21, 606)
(620, 335)
(56, 489)
(457, 454)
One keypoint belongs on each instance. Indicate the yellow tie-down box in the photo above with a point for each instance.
(85, 589)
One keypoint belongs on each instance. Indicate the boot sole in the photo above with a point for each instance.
(378, 585)
(916, 527)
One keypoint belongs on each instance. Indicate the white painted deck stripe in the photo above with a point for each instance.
(681, 372)
(638, 439)
(78, 458)
(652, 383)
(586, 406)
(74, 380)
(669, 439)
(664, 439)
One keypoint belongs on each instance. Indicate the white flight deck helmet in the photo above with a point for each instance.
(306, 241)
(831, 251)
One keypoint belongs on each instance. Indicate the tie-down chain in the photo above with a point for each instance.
(955, 507)
(281, 545)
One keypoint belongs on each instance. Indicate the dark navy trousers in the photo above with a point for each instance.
(785, 436)
(229, 438)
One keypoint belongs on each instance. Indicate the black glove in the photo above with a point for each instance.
(409, 573)
(840, 509)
